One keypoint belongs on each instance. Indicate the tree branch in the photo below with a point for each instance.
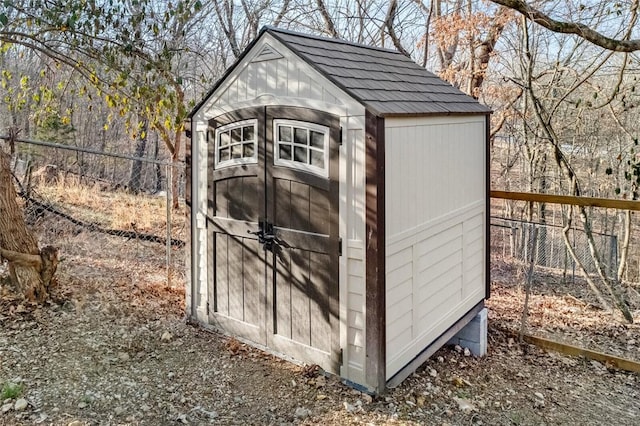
(388, 22)
(328, 22)
(22, 259)
(581, 30)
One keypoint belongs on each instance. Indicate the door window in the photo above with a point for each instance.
(302, 146)
(236, 143)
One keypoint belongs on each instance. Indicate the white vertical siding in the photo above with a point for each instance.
(285, 80)
(352, 206)
(196, 294)
(435, 226)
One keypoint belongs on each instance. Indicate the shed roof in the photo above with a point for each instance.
(385, 81)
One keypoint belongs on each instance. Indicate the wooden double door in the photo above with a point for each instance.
(272, 224)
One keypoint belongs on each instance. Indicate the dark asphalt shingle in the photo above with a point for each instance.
(383, 80)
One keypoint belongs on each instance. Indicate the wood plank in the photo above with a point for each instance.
(400, 319)
(429, 290)
(444, 311)
(282, 296)
(306, 241)
(281, 84)
(300, 314)
(435, 270)
(234, 197)
(253, 276)
(609, 360)
(400, 292)
(320, 212)
(292, 81)
(282, 201)
(221, 303)
(568, 199)
(300, 207)
(237, 171)
(211, 201)
(236, 303)
(399, 259)
(400, 369)
(314, 336)
(446, 250)
(242, 85)
(398, 278)
(398, 344)
(237, 228)
(251, 199)
(320, 182)
(304, 84)
(320, 309)
(210, 261)
(252, 81)
(261, 78)
(433, 242)
(222, 203)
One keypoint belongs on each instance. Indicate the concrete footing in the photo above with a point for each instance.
(473, 335)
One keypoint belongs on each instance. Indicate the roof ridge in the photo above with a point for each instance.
(271, 28)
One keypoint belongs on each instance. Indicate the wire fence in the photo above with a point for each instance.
(515, 239)
(112, 208)
(117, 208)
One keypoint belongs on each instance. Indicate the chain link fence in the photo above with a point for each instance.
(111, 212)
(515, 239)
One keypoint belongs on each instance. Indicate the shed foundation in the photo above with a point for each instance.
(474, 335)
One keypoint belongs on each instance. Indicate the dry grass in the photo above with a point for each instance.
(113, 209)
(561, 310)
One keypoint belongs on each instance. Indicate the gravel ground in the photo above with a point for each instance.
(113, 348)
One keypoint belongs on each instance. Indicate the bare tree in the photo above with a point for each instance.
(550, 122)
(583, 30)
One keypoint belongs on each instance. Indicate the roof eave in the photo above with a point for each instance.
(437, 113)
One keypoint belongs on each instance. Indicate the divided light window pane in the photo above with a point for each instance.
(300, 136)
(236, 143)
(317, 140)
(284, 133)
(301, 147)
(248, 133)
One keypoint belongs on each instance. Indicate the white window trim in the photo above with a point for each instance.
(324, 172)
(236, 161)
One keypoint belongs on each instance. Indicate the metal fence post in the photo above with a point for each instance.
(169, 188)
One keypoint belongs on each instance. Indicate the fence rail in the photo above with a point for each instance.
(512, 224)
(568, 200)
(113, 204)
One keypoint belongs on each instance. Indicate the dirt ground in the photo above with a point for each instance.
(113, 348)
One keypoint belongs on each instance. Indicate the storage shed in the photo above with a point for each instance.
(338, 201)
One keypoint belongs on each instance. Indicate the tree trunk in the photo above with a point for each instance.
(30, 270)
(136, 167)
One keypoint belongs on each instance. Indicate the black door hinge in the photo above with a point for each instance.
(341, 356)
(340, 138)
(339, 246)
(207, 308)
